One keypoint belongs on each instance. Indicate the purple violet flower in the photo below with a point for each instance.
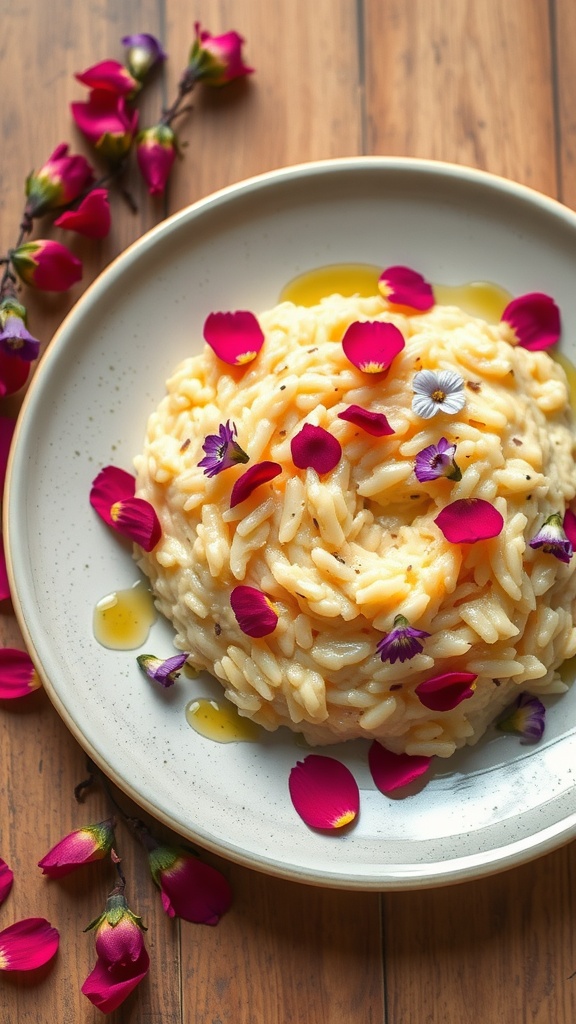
(437, 460)
(164, 672)
(222, 451)
(402, 643)
(15, 339)
(552, 539)
(526, 716)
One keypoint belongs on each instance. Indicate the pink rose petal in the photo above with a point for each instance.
(372, 345)
(324, 792)
(374, 423)
(112, 497)
(445, 691)
(393, 771)
(108, 985)
(535, 320)
(405, 287)
(27, 944)
(254, 612)
(13, 373)
(236, 338)
(4, 583)
(18, 677)
(6, 434)
(259, 473)
(570, 526)
(314, 448)
(468, 520)
(6, 879)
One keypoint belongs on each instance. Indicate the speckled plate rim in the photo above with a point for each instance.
(389, 876)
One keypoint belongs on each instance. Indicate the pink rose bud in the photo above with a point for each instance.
(190, 888)
(61, 180)
(123, 960)
(46, 265)
(156, 150)
(84, 845)
(107, 123)
(216, 60)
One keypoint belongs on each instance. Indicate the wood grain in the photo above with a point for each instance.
(471, 81)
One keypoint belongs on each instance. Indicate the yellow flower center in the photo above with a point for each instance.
(438, 395)
(344, 819)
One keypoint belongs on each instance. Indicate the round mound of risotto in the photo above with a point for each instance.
(363, 519)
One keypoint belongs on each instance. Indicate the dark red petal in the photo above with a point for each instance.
(314, 448)
(374, 423)
(254, 612)
(372, 345)
(468, 520)
(13, 373)
(446, 691)
(236, 338)
(259, 473)
(405, 287)
(392, 771)
(6, 434)
(535, 320)
(111, 485)
(324, 792)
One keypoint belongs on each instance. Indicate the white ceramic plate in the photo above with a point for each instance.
(488, 808)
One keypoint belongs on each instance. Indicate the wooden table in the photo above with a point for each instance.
(478, 82)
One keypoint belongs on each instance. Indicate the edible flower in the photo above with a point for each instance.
(6, 879)
(258, 474)
(216, 60)
(569, 524)
(156, 149)
(255, 613)
(393, 771)
(18, 677)
(324, 792)
(47, 265)
(14, 372)
(15, 338)
(535, 320)
(222, 451)
(437, 460)
(7, 426)
(111, 76)
(402, 643)
(91, 218)
(28, 944)
(236, 338)
(58, 182)
(107, 123)
(371, 345)
(405, 287)
(165, 671)
(469, 520)
(190, 889)
(314, 448)
(112, 497)
(437, 392)
(83, 846)
(123, 960)
(551, 537)
(445, 691)
(143, 53)
(526, 716)
(4, 582)
(374, 423)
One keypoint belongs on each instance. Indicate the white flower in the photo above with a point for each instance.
(437, 392)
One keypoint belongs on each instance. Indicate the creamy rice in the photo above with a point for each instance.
(341, 554)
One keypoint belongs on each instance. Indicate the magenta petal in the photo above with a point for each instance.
(374, 423)
(6, 434)
(535, 320)
(392, 771)
(569, 525)
(260, 473)
(111, 485)
(314, 448)
(446, 691)
(92, 217)
(195, 891)
(136, 519)
(468, 520)
(108, 986)
(324, 792)
(83, 846)
(27, 944)
(254, 613)
(405, 287)
(236, 338)
(13, 373)
(18, 677)
(6, 879)
(4, 582)
(372, 345)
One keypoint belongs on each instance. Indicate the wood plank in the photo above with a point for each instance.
(564, 25)
(468, 81)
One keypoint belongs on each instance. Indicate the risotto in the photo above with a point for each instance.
(362, 592)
